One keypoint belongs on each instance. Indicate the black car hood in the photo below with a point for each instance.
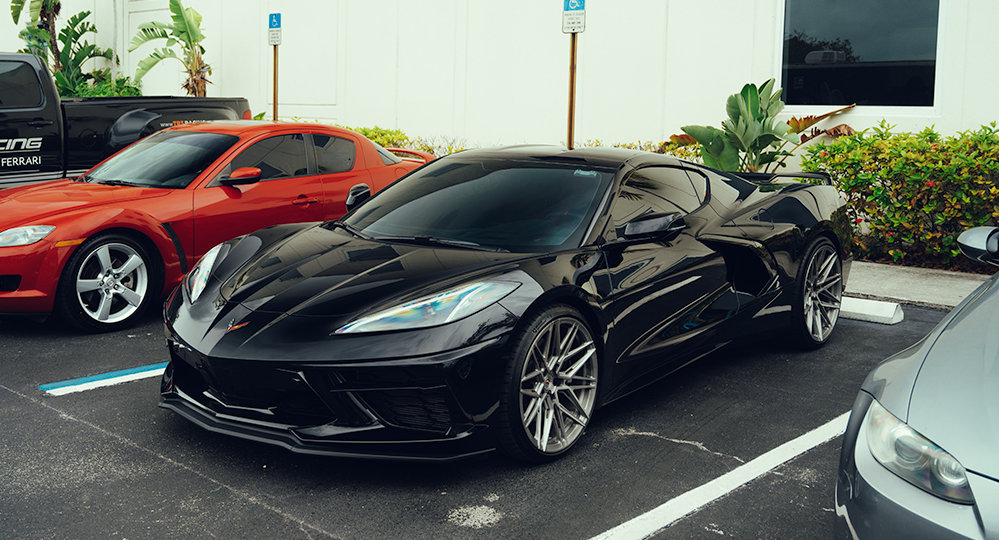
(328, 272)
(955, 397)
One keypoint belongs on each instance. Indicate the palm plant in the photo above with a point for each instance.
(42, 28)
(75, 51)
(184, 30)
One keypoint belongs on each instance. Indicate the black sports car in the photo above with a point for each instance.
(496, 298)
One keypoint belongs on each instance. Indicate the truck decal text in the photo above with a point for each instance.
(20, 145)
(20, 161)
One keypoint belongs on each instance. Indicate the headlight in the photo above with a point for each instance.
(903, 451)
(22, 236)
(197, 278)
(434, 310)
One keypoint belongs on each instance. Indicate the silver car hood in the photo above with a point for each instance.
(955, 397)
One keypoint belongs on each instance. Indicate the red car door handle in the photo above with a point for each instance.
(303, 200)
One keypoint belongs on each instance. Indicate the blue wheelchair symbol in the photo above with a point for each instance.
(274, 21)
(574, 5)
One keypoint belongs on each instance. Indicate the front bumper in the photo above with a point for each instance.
(872, 502)
(427, 408)
(29, 276)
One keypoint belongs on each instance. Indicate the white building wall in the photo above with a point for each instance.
(493, 73)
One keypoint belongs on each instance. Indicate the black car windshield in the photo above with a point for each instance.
(525, 206)
(167, 159)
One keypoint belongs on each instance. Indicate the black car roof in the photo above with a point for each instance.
(598, 157)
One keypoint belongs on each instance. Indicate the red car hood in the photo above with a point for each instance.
(27, 204)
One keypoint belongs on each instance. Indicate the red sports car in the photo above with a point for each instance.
(101, 248)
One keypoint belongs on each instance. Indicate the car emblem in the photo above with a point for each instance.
(232, 326)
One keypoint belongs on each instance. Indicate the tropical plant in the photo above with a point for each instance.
(120, 86)
(184, 31)
(41, 26)
(75, 52)
(752, 139)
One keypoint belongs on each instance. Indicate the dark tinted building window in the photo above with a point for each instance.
(277, 157)
(838, 52)
(333, 154)
(19, 86)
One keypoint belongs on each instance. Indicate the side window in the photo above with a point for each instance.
(633, 201)
(19, 86)
(333, 154)
(276, 157)
(671, 184)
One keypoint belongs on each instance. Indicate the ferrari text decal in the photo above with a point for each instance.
(20, 161)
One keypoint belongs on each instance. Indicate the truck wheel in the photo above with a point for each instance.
(818, 292)
(107, 284)
(550, 387)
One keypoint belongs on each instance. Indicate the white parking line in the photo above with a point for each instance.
(661, 517)
(105, 379)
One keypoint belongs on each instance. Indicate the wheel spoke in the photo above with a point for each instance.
(549, 414)
(130, 265)
(572, 416)
(104, 257)
(87, 285)
(133, 298)
(530, 376)
(104, 309)
(532, 410)
(571, 372)
(575, 403)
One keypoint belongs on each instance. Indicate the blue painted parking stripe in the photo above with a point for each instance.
(104, 379)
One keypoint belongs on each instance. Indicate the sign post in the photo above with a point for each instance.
(274, 39)
(573, 22)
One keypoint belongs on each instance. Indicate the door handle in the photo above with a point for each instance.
(303, 200)
(40, 123)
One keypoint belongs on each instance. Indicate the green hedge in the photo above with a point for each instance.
(912, 194)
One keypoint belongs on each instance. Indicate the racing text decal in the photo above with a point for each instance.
(20, 145)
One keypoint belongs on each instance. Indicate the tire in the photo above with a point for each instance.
(107, 284)
(550, 386)
(818, 292)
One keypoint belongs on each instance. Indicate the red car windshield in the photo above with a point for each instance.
(168, 159)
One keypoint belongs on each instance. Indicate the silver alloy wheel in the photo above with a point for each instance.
(823, 291)
(558, 385)
(112, 282)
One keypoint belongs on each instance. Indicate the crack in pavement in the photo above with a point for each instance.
(632, 431)
(302, 524)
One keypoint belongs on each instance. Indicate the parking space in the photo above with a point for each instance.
(108, 462)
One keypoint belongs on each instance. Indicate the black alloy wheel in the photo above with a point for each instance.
(550, 386)
(818, 294)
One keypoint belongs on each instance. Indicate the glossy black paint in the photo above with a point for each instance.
(262, 335)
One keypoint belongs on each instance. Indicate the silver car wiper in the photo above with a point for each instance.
(433, 240)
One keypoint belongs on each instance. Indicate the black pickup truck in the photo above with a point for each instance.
(43, 137)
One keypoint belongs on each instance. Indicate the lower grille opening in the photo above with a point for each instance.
(9, 282)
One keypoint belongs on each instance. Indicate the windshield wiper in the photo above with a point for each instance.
(351, 229)
(118, 183)
(82, 178)
(435, 241)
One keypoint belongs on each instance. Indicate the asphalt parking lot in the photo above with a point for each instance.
(108, 463)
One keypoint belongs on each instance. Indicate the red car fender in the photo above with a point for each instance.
(85, 224)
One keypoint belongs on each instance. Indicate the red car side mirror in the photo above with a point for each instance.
(242, 175)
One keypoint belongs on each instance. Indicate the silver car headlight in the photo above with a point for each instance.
(433, 310)
(22, 236)
(903, 451)
(197, 278)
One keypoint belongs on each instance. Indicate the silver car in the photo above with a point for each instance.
(920, 455)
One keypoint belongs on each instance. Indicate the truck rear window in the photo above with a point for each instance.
(19, 86)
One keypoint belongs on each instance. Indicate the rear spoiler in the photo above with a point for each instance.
(770, 178)
(415, 156)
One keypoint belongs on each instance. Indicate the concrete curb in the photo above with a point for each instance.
(876, 311)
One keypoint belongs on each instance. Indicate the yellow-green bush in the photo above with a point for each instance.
(911, 194)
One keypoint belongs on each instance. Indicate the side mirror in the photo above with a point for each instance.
(664, 227)
(242, 175)
(980, 244)
(356, 195)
